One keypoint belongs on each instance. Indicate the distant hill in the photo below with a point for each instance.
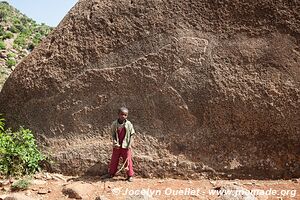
(19, 35)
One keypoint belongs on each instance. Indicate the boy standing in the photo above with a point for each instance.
(122, 131)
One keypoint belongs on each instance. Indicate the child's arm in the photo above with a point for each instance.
(132, 133)
(114, 136)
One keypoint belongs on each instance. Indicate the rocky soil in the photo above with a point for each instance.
(213, 87)
(56, 186)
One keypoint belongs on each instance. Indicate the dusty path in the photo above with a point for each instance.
(53, 186)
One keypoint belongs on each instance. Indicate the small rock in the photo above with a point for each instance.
(295, 180)
(38, 176)
(235, 183)
(58, 177)
(4, 183)
(48, 176)
(213, 183)
(10, 198)
(43, 191)
(232, 192)
(77, 190)
(160, 181)
(249, 183)
(14, 51)
(18, 196)
(101, 198)
(5, 189)
(139, 197)
(38, 182)
(12, 180)
(71, 193)
(27, 193)
(34, 189)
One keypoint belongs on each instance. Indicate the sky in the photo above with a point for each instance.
(50, 12)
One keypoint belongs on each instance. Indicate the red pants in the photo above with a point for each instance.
(126, 155)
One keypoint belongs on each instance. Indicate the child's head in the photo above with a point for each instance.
(123, 113)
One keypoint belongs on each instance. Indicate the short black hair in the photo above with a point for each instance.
(123, 110)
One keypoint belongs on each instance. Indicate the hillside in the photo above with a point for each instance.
(18, 37)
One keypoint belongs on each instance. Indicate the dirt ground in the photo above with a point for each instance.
(56, 186)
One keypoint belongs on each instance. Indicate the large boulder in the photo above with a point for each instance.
(212, 86)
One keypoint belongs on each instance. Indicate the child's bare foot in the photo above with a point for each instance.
(129, 179)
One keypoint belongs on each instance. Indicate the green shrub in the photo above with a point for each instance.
(2, 45)
(18, 152)
(11, 55)
(37, 39)
(3, 15)
(20, 27)
(8, 35)
(16, 46)
(16, 20)
(22, 184)
(38, 36)
(33, 22)
(13, 29)
(2, 124)
(10, 62)
(2, 32)
(20, 40)
(24, 20)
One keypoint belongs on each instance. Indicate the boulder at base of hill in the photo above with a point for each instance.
(209, 85)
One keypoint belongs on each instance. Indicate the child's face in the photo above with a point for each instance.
(123, 115)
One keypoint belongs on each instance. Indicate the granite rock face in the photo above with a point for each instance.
(212, 87)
